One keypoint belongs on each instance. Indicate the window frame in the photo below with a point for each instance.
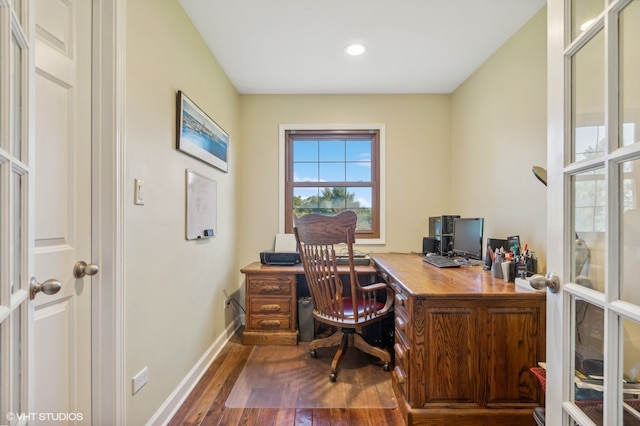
(377, 234)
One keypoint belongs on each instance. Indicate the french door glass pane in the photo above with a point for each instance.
(17, 8)
(16, 97)
(629, 33)
(16, 354)
(13, 102)
(589, 208)
(583, 13)
(16, 245)
(629, 231)
(588, 355)
(630, 382)
(587, 67)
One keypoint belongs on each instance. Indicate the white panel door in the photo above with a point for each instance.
(62, 322)
(593, 324)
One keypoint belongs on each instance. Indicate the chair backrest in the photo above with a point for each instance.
(317, 237)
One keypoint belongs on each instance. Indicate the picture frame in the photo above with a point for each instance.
(514, 244)
(199, 136)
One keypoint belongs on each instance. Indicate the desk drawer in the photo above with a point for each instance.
(401, 380)
(271, 285)
(270, 305)
(270, 322)
(402, 358)
(401, 306)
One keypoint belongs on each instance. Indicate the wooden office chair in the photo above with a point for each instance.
(316, 236)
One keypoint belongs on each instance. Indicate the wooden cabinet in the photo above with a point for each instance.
(464, 344)
(271, 313)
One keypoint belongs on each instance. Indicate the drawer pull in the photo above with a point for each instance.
(400, 352)
(270, 323)
(400, 376)
(271, 288)
(401, 324)
(269, 308)
(400, 299)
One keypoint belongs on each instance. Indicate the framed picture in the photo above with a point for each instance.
(514, 244)
(199, 136)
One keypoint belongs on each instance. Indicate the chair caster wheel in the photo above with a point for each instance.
(312, 352)
(333, 377)
(386, 366)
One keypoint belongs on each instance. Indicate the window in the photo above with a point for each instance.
(331, 170)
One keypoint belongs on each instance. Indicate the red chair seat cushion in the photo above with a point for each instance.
(348, 306)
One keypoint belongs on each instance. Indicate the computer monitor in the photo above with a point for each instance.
(467, 237)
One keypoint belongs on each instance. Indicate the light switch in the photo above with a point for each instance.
(138, 192)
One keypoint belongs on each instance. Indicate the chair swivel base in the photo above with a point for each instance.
(344, 339)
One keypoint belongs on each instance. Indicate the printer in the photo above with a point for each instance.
(272, 257)
(284, 252)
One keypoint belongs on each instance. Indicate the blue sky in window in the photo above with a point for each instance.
(333, 161)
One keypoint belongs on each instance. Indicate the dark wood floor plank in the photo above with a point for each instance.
(250, 417)
(340, 417)
(286, 417)
(304, 417)
(230, 417)
(205, 406)
(321, 417)
(217, 404)
(217, 381)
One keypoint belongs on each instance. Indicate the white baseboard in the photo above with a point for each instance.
(166, 411)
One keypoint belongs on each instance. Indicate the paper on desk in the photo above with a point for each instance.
(285, 243)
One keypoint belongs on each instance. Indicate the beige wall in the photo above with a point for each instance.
(498, 132)
(417, 155)
(173, 287)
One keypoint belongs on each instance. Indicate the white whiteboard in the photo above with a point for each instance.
(202, 203)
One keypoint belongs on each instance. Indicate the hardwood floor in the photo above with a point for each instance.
(206, 403)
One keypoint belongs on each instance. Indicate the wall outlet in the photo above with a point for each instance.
(140, 379)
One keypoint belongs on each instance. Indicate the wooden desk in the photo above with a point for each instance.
(464, 344)
(272, 304)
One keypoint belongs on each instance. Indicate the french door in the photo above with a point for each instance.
(593, 324)
(15, 173)
(45, 223)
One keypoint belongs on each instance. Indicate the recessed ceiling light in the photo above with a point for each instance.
(355, 49)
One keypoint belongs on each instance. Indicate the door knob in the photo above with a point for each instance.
(48, 287)
(551, 280)
(83, 268)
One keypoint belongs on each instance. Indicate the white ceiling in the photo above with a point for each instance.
(297, 46)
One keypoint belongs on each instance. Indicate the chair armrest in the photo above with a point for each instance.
(373, 287)
(380, 286)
